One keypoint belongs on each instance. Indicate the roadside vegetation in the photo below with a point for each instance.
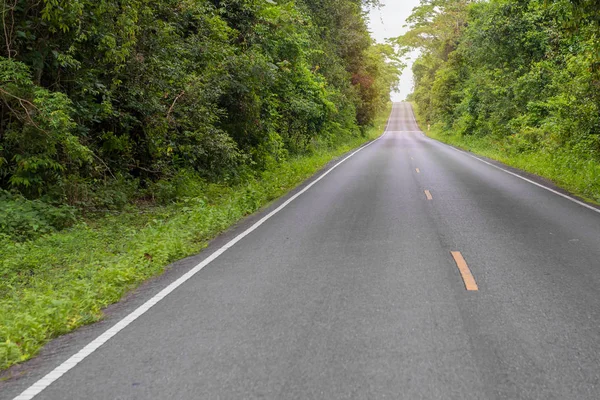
(132, 132)
(516, 81)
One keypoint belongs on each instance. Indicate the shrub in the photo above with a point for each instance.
(22, 219)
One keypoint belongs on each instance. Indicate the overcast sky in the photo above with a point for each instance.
(389, 22)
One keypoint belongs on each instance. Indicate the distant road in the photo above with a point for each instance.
(410, 271)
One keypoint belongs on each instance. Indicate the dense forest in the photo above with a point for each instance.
(519, 79)
(106, 102)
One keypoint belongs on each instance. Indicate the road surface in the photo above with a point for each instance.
(353, 291)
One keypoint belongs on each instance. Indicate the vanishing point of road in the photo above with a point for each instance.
(411, 270)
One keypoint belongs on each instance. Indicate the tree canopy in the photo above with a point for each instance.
(523, 73)
(100, 93)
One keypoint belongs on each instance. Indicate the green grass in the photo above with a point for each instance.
(578, 175)
(56, 283)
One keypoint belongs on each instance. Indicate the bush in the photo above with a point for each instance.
(22, 219)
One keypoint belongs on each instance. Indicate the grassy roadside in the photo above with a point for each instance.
(54, 284)
(566, 169)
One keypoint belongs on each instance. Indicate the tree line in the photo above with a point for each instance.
(101, 100)
(525, 74)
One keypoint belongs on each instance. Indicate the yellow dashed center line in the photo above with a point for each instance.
(465, 272)
(428, 195)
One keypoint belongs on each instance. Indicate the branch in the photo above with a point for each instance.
(103, 163)
(173, 105)
(22, 103)
(144, 169)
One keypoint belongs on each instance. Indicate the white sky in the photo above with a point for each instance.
(388, 22)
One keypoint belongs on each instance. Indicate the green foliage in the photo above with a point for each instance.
(519, 78)
(38, 134)
(99, 91)
(22, 219)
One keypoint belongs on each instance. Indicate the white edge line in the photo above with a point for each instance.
(581, 203)
(412, 112)
(70, 363)
(570, 198)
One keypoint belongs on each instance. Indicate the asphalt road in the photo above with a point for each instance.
(351, 292)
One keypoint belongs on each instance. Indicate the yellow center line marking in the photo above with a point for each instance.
(465, 272)
(418, 171)
(428, 194)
